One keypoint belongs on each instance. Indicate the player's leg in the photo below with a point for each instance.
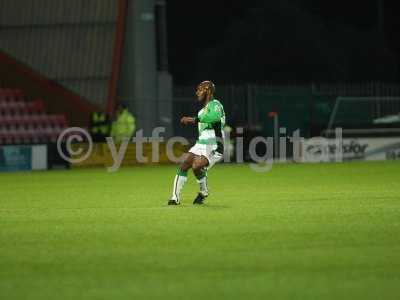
(181, 178)
(200, 167)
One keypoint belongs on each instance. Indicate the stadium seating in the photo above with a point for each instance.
(26, 122)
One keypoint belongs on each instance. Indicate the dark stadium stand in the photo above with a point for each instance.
(26, 122)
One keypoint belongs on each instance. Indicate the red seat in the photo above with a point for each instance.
(62, 121)
(9, 95)
(7, 120)
(3, 121)
(26, 122)
(16, 107)
(12, 136)
(34, 135)
(58, 121)
(37, 106)
(44, 120)
(35, 121)
(17, 121)
(3, 135)
(41, 134)
(19, 95)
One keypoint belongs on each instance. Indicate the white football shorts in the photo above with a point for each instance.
(208, 151)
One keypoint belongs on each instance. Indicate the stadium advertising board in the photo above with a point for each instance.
(326, 150)
(101, 155)
(22, 158)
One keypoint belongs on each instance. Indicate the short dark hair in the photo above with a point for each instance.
(209, 84)
(123, 105)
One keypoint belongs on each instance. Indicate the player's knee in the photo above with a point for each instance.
(196, 166)
(185, 166)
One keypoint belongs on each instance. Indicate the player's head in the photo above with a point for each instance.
(205, 91)
(120, 108)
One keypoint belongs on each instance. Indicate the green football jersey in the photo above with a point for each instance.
(211, 122)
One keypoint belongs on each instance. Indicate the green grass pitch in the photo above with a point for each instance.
(315, 231)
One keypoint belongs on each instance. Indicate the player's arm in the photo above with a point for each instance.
(188, 120)
(211, 115)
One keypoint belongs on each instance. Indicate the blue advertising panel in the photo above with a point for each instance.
(15, 158)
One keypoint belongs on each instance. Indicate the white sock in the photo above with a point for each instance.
(179, 182)
(203, 186)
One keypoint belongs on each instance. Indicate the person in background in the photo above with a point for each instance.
(99, 126)
(124, 124)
